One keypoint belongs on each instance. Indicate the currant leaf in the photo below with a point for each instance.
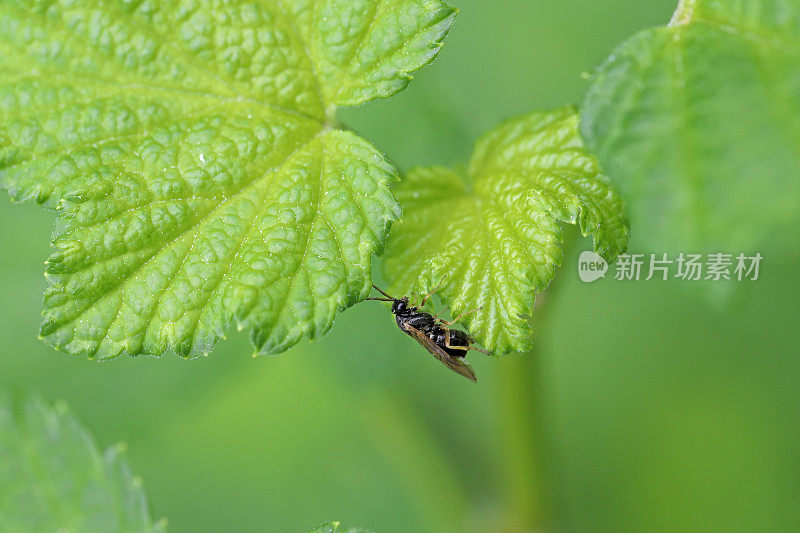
(53, 477)
(192, 153)
(491, 238)
(699, 123)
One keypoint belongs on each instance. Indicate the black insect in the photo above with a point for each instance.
(446, 344)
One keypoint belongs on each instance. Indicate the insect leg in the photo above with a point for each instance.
(438, 286)
(459, 317)
(436, 316)
(465, 348)
(478, 350)
(447, 340)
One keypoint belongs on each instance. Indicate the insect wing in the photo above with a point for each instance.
(459, 367)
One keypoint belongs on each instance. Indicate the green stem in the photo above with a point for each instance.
(419, 462)
(522, 409)
(522, 427)
(522, 436)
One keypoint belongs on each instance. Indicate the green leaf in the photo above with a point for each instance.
(494, 233)
(333, 527)
(53, 478)
(699, 123)
(193, 155)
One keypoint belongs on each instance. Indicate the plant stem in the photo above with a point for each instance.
(420, 463)
(522, 410)
(523, 437)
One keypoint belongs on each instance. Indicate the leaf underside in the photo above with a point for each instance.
(493, 235)
(192, 153)
(53, 478)
(699, 123)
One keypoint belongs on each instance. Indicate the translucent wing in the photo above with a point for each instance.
(460, 367)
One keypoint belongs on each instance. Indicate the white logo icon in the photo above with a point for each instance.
(591, 267)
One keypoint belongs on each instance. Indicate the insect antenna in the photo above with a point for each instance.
(381, 299)
(380, 291)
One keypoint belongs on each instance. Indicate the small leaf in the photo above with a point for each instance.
(699, 123)
(327, 527)
(494, 234)
(333, 527)
(53, 478)
(192, 152)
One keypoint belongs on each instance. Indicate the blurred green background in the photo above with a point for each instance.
(645, 408)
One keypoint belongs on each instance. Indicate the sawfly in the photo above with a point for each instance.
(448, 345)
